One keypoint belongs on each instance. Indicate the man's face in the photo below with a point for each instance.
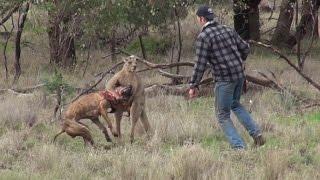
(202, 21)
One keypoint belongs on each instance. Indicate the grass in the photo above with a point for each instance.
(187, 142)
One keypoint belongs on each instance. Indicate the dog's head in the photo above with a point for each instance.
(125, 92)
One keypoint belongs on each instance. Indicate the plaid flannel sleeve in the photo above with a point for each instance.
(243, 46)
(202, 52)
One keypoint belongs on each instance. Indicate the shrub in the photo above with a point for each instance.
(152, 45)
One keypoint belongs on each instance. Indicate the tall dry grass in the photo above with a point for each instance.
(187, 144)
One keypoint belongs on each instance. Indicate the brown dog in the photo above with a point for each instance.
(91, 106)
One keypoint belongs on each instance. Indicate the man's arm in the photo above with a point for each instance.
(202, 52)
(243, 46)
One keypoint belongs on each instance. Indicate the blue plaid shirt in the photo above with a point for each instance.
(223, 49)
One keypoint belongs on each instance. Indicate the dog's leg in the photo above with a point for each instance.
(83, 124)
(88, 142)
(73, 129)
(103, 113)
(97, 122)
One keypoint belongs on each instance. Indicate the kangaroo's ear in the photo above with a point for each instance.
(125, 60)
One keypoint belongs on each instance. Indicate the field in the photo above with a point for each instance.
(187, 142)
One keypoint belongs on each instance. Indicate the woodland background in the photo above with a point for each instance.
(52, 51)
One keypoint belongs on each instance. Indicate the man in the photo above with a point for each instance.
(224, 50)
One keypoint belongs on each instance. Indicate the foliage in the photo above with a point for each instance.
(102, 18)
(152, 45)
(56, 82)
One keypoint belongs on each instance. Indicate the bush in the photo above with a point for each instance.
(56, 83)
(152, 45)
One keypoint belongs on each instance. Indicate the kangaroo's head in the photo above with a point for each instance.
(130, 64)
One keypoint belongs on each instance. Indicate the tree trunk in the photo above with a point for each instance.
(61, 41)
(282, 36)
(254, 24)
(68, 50)
(308, 25)
(179, 40)
(143, 50)
(54, 38)
(22, 19)
(246, 18)
(240, 19)
(113, 46)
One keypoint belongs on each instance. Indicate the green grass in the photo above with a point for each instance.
(30, 153)
(313, 117)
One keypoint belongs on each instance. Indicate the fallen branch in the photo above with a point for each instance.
(24, 90)
(250, 78)
(111, 54)
(177, 90)
(311, 105)
(173, 90)
(275, 84)
(307, 78)
(175, 77)
(255, 80)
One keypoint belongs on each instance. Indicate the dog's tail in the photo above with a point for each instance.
(55, 137)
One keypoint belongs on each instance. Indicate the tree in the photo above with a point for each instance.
(246, 18)
(308, 25)
(21, 21)
(62, 28)
(282, 36)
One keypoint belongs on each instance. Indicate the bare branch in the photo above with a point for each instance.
(174, 76)
(9, 14)
(311, 105)
(108, 55)
(98, 82)
(307, 78)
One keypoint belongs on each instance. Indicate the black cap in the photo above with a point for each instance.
(205, 11)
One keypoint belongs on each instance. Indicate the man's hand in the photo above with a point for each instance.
(192, 93)
(244, 66)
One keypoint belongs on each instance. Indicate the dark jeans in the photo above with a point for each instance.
(227, 98)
